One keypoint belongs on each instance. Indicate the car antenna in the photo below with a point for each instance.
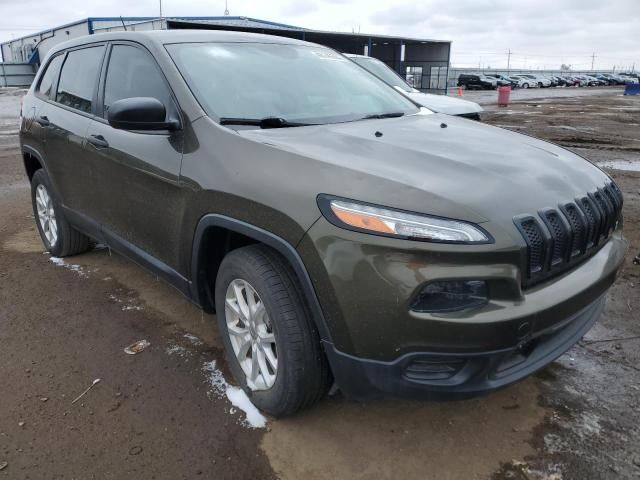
(123, 25)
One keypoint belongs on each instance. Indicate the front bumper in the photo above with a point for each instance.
(378, 346)
(437, 376)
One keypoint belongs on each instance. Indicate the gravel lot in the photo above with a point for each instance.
(163, 414)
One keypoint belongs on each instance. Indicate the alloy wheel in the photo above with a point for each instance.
(46, 215)
(251, 333)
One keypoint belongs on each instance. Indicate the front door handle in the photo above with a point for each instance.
(98, 141)
(43, 121)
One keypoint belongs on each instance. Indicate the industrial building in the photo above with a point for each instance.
(423, 62)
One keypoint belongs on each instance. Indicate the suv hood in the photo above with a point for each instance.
(444, 104)
(466, 170)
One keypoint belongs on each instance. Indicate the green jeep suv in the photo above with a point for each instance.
(339, 232)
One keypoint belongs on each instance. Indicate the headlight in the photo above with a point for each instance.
(378, 220)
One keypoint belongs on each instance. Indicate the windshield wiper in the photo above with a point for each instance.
(384, 115)
(267, 122)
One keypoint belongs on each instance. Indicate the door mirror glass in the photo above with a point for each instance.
(139, 113)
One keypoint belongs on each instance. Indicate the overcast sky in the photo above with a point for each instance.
(538, 32)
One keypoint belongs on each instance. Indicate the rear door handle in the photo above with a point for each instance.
(43, 121)
(98, 141)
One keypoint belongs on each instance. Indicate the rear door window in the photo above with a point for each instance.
(79, 78)
(49, 76)
(132, 72)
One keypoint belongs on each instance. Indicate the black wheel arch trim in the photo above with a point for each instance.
(41, 159)
(199, 283)
(33, 151)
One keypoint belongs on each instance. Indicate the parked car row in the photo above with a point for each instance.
(531, 80)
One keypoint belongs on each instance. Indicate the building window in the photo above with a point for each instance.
(438, 80)
(414, 76)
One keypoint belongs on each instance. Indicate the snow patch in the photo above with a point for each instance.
(237, 397)
(588, 424)
(58, 261)
(69, 266)
(137, 308)
(240, 400)
(628, 165)
(126, 306)
(178, 350)
(554, 444)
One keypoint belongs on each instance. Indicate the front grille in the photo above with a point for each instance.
(557, 239)
(537, 246)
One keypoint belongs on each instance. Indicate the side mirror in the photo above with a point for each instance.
(140, 113)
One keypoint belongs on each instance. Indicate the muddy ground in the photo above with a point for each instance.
(163, 414)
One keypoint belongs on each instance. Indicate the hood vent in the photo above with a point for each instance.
(557, 239)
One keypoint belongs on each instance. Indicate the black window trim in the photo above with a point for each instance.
(172, 110)
(95, 90)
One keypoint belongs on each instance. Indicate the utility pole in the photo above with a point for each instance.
(593, 60)
(226, 7)
(508, 60)
(160, 9)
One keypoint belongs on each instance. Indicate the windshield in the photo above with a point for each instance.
(298, 83)
(383, 72)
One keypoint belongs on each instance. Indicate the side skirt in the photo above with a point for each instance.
(127, 249)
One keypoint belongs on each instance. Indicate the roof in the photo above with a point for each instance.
(278, 29)
(247, 22)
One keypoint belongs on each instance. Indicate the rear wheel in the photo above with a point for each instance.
(525, 85)
(271, 342)
(58, 236)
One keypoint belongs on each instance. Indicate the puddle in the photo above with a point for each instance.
(627, 165)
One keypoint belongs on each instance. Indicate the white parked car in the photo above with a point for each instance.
(524, 82)
(629, 79)
(532, 80)
(436, 103)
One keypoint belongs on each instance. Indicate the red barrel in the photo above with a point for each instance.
(503, 96)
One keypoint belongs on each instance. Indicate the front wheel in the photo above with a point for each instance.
(58, 236)
(272, 345)
(525, 85)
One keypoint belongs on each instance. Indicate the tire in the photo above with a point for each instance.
(302, 375)
(525, 85)
(49, 217)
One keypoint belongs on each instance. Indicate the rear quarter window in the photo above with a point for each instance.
(49, 76)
